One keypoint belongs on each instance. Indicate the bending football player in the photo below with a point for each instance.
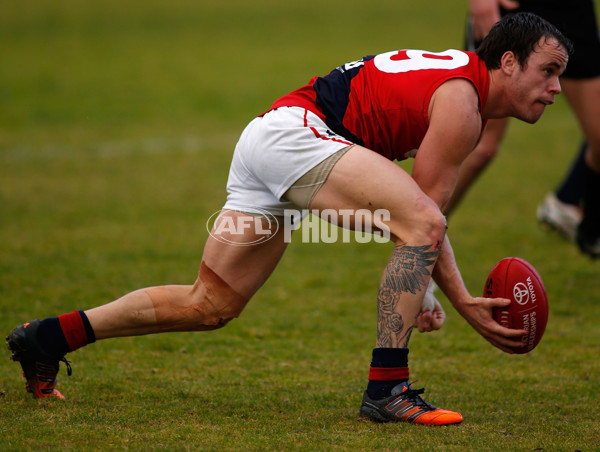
(343, 131)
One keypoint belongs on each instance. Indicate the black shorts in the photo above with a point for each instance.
(576, 19)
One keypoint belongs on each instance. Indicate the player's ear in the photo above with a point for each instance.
(509, 63)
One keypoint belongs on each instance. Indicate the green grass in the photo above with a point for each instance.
(117, 124)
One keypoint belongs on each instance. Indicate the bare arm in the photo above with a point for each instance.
(455, 126)
(477, 311)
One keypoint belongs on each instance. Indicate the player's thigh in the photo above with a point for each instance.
(244, 250)
(584, 97)
(366, 181)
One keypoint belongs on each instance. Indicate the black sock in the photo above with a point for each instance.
(590, 225)
(389, 367)
(570, 191)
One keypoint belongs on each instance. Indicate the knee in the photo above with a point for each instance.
(434, 225)
(427, 224)
(210, 304)
(210, 311)
(214, 303)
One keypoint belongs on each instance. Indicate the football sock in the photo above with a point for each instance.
(65, 333)
(570, 191)
(389, 367)
(590, 225)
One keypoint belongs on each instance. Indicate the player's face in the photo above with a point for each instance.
(536, 83)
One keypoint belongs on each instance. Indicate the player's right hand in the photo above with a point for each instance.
(478, 312)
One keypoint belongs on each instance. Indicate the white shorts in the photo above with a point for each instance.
(273, 152)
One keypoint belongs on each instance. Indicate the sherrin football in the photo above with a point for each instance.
(517, 280)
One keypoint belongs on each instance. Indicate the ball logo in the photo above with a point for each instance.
(521, 293)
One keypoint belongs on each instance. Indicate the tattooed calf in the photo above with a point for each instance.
(406, 272)
(407, 269)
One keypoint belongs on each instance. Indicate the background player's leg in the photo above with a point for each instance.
(584, 95)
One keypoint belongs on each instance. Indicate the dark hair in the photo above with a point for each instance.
(518, 33)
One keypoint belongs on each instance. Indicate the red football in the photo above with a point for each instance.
(517, 280)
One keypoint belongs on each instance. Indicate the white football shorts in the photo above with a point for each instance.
(273, 152)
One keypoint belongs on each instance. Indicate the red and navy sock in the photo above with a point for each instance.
(389, 367)
(65, 333)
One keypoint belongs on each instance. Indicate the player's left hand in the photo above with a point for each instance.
(431, 320)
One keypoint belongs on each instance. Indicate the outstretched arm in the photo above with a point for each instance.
(455, 126)
(477, 311)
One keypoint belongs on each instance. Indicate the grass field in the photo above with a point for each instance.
(117, 124)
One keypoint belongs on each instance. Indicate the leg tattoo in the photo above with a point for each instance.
(407, 272)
